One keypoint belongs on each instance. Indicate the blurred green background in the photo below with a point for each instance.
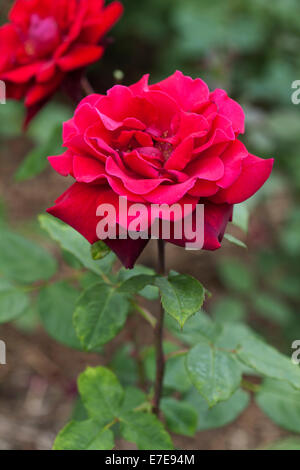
(251, 49)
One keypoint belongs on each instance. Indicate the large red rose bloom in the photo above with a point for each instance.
(46, 40)
(173, 142)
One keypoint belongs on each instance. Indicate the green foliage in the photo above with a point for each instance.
(124, 365)
(22, 260)
(176, 377)
(268, 361)
(149, 292)
(100, 314)
(281, 402)
(73, 242)
(215, 373)
(11, 117)
(229, 309)
(101, 394)
(36, 160)
(84, 435)
(107, 403)
(56, 305)
(236, 276)
(13, 301)
(181, 418)
(99, 250)
(145, 430)
(241, 216)
(219, 415)
(181, 295)
(234, 240)
(136, 284)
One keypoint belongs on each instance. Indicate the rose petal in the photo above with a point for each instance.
(188, 93)
(80, 56)
(255, 172)
(231, 109)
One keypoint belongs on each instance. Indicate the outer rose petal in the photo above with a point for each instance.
(232, 159)
(22, 74)
(109, 16)
(255, 172)
(63, 164)
(78, 206)
(41, 90)
(187, 92)
(128, 250)
(80, 56)
(231, 109)
(216, 218)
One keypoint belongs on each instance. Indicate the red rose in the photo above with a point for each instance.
(173, 142)
(46, 40)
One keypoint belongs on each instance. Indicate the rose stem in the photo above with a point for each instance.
(158, 337)
(87, 87)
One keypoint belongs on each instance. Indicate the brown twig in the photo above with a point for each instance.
(87, 87)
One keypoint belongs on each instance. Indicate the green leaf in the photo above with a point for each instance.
(175, 377)
(236, 275)
(222, 413)
(28, 321)
(101, 394)
(79, 412)
(88, 279)
(235, 240)
(273, 309)
(36, 160)
(181, 296)
(145, 430)
(135, 284)
(23, 260)
(13, 301)
(149, 292)
(99, 250)
(281, 402)
(11, 117)
(51, 116)
(70, 240)
(181, 417)
(100, 315)
(267, 361)
(33, 164)
(56, 305)
(84, 435)
(124, 365)
(241, 216)
(215, 373)
(199, 327)
(229, 309)
(133, 398)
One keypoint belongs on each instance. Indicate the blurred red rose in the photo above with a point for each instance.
(46, 40)
(173, 142)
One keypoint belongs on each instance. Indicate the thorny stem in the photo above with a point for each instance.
(158, 337)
